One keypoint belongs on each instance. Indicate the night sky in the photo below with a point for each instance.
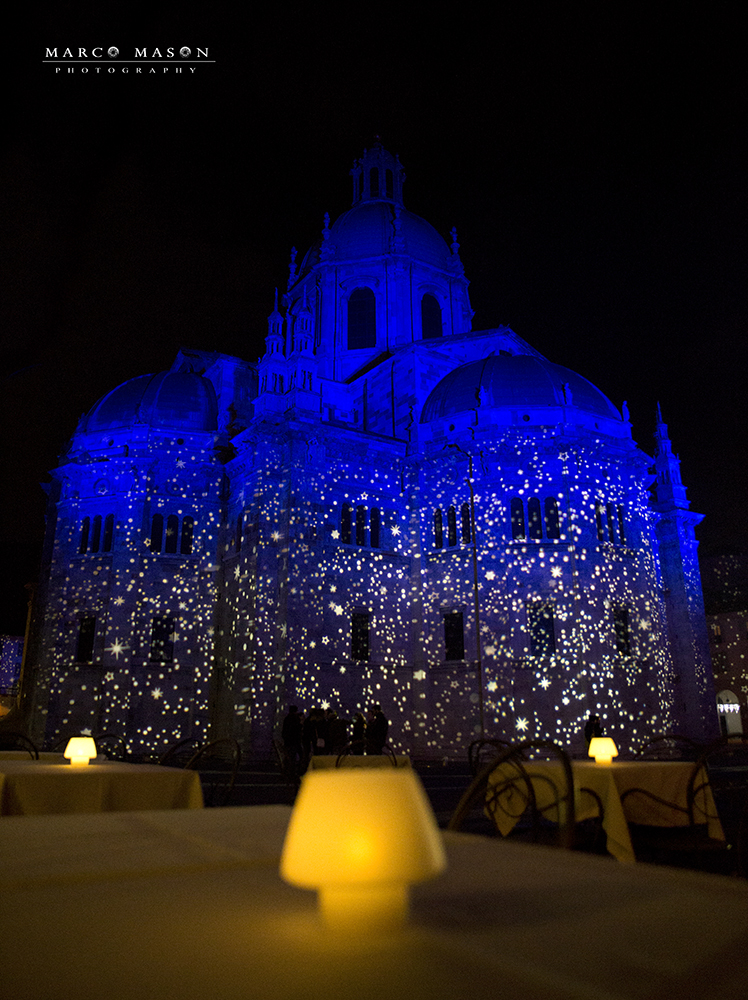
(592, 158)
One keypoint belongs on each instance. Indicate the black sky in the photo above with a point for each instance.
(592, 158)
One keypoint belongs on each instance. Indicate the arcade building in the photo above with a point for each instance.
(389, 506)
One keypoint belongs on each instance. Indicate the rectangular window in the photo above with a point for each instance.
(360, 622)
(162, 639)
(540, 625)
(84, 648)
(454, 635)
(621, 625)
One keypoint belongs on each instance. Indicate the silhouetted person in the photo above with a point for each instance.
(337, 732)
(592, 728)
(291, 734)
(359, 733)
(376, 730)
(292, 730)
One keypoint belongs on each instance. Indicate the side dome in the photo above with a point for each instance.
(517, 381)
(182, 401)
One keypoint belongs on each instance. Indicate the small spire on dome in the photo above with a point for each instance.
(455, 246)
(292, 266)
(327, 249)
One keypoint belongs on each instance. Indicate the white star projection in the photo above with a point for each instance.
(116, 648)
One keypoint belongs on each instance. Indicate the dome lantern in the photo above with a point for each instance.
(378, 176)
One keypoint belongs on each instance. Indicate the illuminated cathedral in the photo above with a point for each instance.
(389, 506)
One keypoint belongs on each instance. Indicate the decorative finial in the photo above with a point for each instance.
(292, 266)
(455, 244)
(326, 227)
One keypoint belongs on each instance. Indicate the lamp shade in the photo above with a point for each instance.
(360, 837)
(603, 749)
(80, 749)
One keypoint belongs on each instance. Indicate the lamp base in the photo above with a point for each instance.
(368, 908)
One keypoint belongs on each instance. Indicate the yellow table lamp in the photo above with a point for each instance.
(80, 750)
(360, 837)
(603, 749)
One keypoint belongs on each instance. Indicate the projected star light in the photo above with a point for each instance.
(116, 648)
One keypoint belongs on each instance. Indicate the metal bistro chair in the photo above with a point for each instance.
(368, 747)
(220, 780)
(179, 753)
(18, 741)
(722, 766)
(112, 745)
(516, 794)
(484, 749)
(669, 746)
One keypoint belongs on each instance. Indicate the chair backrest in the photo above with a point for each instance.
(222, 758)
(357, 747)
(180, 753)
(509, 784)
(670, 746)
(484, 749)
(13, 740)
(723, 767)
(112, 745)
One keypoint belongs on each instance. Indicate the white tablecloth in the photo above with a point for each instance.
(30, 788)
(189, 905)
(666, 779)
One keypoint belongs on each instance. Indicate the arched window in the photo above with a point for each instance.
(85, 645)
(621, 628)
(360, 525)
(188, 530)
(106, 545)
(518, 519)
(454, 635)
(96, 533)
(621, 530)
(552, 526)
(362, 319)
(611, 512)
(374, 182)
(172, 534)
(85, 528)
(438, 530)
(599, 522)
(465, 515)
(157, 532)
(345, 524)
(534, 522)
(431, 317)
(162, 639)
(451, 526)
(360, 630)
(375, 525)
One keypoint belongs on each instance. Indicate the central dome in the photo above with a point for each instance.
(518, 380)
(371, 229)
